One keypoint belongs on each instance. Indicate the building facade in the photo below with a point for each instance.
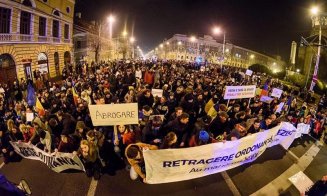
(92, 43)
(35, 35)
(182, 47)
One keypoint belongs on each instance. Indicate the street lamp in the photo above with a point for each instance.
(217, 31)
(132, 40)
(252, 56)
(124, 33)
(298, 70)
(316, 17)
(161, 45)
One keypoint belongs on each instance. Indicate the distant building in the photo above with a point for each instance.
(92, 42)
(35, 35)
(202, 49)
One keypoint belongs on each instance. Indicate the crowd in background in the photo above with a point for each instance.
(191, 111)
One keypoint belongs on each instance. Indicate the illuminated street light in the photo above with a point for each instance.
(132, 39)
(314, 10)
(167, 43)
(179, 43)
(298, 70)
(251, 56)
(124, 33)
(138, 47)
(111, 19)
(216, 30)
(274, 63)
(161, 45)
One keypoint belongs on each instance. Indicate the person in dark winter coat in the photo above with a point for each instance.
(179, 127)
(146, 98)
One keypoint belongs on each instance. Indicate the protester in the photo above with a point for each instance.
(192, 110)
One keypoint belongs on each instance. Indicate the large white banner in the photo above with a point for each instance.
(171, 165)
(58, 163)
(114, 114)
(239, 92)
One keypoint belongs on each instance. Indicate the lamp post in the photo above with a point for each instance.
(132, 40)
(316, 16)
(111, 19)
(217, 31)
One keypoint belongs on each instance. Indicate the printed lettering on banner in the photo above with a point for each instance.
(58, 163)
(266, 99)
(248, 72)
(239, 92)
(114, 114)
(157, 92)
(172, 165)
(276, 92)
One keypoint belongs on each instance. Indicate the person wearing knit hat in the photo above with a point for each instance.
(203, 137)
(200, 138)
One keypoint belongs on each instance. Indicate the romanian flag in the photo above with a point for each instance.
(75, 96)
(39, 107)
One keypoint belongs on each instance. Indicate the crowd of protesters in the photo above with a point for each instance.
(191, 111)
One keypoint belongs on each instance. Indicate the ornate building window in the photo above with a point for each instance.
(66, 31)
(25, 23)
(5, 15)
(42, 26)
(55, 28)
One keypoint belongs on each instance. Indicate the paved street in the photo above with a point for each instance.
(245, 180)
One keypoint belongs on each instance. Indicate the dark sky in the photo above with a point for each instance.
(266, 26)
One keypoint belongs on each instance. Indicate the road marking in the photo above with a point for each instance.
(230, 184)
(2, 164)
(282, 182)
(93, 187)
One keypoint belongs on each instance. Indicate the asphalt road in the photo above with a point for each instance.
(243, 180)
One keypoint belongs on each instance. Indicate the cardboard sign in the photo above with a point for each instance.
(276, 92)
(280, 107)
(114, 114)
(239, 92)
(249, 72)
(157, 92)
(266, 99)
(29, 116)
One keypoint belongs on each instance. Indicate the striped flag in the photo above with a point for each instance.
(30, 95)
(39, 107)
(75, 96)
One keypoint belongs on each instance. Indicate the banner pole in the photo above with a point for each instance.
(227, 103)
(249, 102)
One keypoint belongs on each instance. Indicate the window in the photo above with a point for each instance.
(42, 26)
(68, 9)
(55, 28)
(25, 23)
(66, 33)
(78, 45)
(5, 20)
(56, 13)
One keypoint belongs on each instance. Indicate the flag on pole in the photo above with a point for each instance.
(39, 107)
(75, 96)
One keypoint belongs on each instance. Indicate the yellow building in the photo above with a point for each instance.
(35, 35)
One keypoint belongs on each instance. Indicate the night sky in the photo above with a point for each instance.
(267, 26)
